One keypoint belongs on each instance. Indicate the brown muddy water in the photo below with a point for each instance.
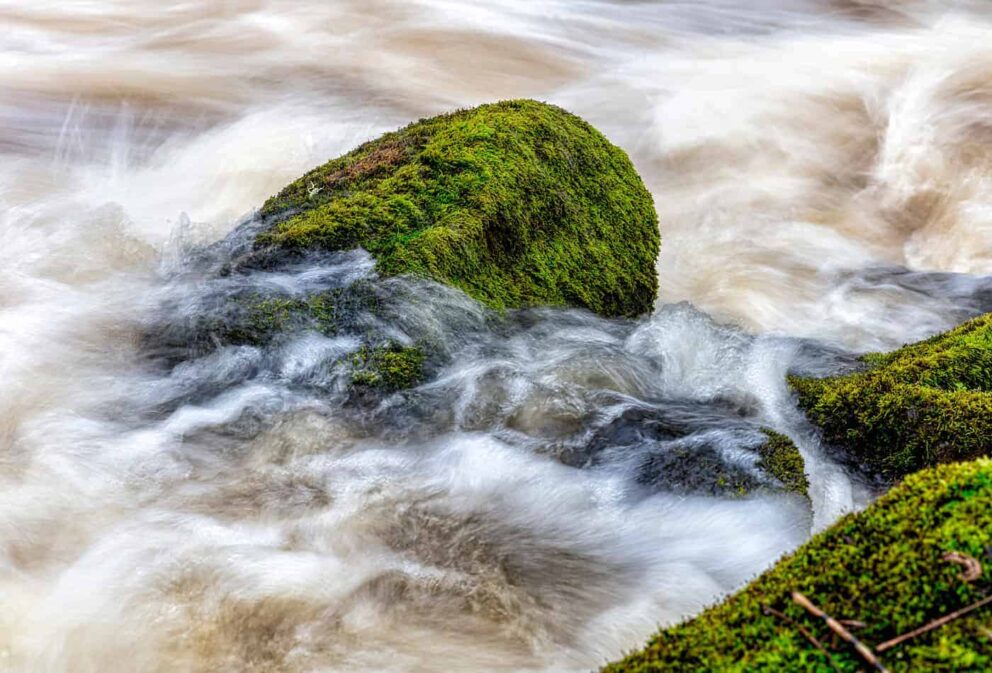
(823, 174)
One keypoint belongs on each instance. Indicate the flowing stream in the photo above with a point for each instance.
(823, 174)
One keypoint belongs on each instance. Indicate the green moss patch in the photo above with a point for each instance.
(781, 459)
(883, 567)
(260, 319)
(257, 319)
(387, 368)
(516, 203)
(925, 404)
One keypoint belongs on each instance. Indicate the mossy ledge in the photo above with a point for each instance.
(517, 203)
(919, 406)
(883, 567)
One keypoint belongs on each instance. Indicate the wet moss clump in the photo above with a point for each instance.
(781, 459)
(259, 319)
(517, 203)
(925, 404)
(256, 319)
(884, 567)
(387, 368)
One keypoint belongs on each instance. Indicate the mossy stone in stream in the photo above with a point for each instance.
(925, 404)
(253, 318)
(388, 368)
(517, 203)
(780, 457)
(702, 469)
(258, 319)
(383, 367)
(735, 458)
(884, 567)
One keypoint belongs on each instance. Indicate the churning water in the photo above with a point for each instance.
(823, 173)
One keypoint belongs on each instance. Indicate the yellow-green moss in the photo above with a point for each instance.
(925, 404)
(268, 316)
(390, 367)
(254, 319)
(516, 203)
(882, 567)
(780, 458)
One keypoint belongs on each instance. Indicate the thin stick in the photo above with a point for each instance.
(839, 629)
(935, 624)
(768, 610)
(853, 623)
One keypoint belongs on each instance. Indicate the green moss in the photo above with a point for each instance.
(780, 458)
(388, 368)
(882, 567)
(516, 203)
(925, 404)
(256, 320)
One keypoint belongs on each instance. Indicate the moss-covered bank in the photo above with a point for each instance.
(516, 203)
(925, 404)
(883, 567)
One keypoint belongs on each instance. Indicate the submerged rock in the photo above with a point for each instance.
(886, 567)
(517, 204)
(730, 458)
(925, 404)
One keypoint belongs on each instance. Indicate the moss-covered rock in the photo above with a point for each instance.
(884, 567)
(702, 468)
(716, 453)
(925, 404)
(780, 457)
(516, 203)
(258, 319)
(388, 368)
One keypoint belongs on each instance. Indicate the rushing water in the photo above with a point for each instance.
(823, 173)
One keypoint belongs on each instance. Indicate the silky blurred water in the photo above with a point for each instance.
(822, 175)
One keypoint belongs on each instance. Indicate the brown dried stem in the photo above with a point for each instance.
(935, 624)
(839, 629)
(768, 610)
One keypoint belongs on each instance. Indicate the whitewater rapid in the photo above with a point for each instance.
(822, 175)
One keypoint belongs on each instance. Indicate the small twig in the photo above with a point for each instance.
(839, 629)
(853, 623)
(972, 567)
(935, 624)
(768, 610)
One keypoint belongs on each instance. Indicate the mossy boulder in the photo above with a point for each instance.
(925, 404)
(884, 567)
(517, 203)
